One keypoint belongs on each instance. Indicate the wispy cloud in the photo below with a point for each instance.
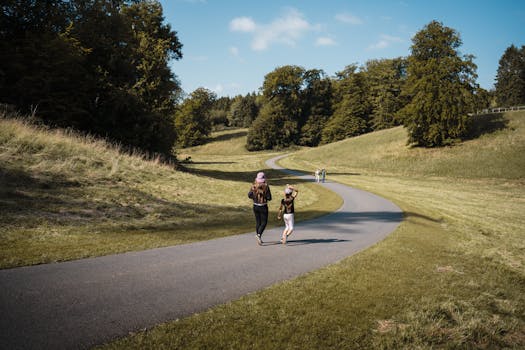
(286, 29)
(224, 89)
(348, 18)
(242, 24)
(385, 41)
(325, 41)
(234, 51)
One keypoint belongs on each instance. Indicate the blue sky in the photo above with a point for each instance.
(229, 46)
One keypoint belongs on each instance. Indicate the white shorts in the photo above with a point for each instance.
(288, 221)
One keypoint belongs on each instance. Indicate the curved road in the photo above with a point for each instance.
(78, 304)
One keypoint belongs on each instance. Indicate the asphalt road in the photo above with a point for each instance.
(82, 303)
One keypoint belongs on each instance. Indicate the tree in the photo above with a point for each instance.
(99, 66)
(41, 62)
(385, 78)
(440, 86)
(243, 111)
(282, 108)
(219, 112)
(192, 119)
(510, 79)
(317, 106)
(482, 99)
(268, 130)
(351, 107)
(154, 45)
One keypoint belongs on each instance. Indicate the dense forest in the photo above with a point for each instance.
(102, 67)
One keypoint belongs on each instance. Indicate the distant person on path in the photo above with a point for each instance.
(323, 174)
(317, 175)
(286, 209)
(260, 194)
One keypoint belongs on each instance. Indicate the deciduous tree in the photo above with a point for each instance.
(281, 112)
(317, 106)
(440, 87)
(351, 107)
(385, 78)
(192, 119)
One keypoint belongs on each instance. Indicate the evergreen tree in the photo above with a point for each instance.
(510, 79)
(440, 86)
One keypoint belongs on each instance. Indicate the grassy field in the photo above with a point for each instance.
(451, 276)
(65, 197)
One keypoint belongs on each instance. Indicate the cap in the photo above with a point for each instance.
(260, 177)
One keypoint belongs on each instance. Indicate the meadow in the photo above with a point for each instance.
(450, 277)
(64, 196)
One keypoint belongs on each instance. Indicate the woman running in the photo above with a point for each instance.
(260, 194)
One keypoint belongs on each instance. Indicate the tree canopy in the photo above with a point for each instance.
(99, 66)
(510, 79)
(192, 119)
(440, 87)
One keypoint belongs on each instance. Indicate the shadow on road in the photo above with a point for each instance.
(292, 242)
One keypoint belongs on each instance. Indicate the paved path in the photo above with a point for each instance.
(78, 304)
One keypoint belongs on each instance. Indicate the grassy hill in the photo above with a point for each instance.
(63, 196)
(452, 276)
(496, 152)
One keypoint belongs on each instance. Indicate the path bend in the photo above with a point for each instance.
(82, 303)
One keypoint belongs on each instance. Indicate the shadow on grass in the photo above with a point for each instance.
(274, 177)
(213, 162)
(485, 124)
(408, 214)
(328, 173)
(29, 198)
(226, 137)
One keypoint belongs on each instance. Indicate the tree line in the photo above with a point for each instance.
(101, 66)
(431, 92)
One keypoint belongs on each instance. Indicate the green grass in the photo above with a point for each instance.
(450, 277)
(63, 196)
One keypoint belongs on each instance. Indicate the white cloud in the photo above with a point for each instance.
(242, 24)
(234, 51)
(348, 18)
(224, 89)
(385, 41)
(287, 29)
(325, 41)
(218, 89)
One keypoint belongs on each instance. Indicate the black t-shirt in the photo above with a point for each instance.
(288, 207)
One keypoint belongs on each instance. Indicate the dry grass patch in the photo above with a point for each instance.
(64, 196)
